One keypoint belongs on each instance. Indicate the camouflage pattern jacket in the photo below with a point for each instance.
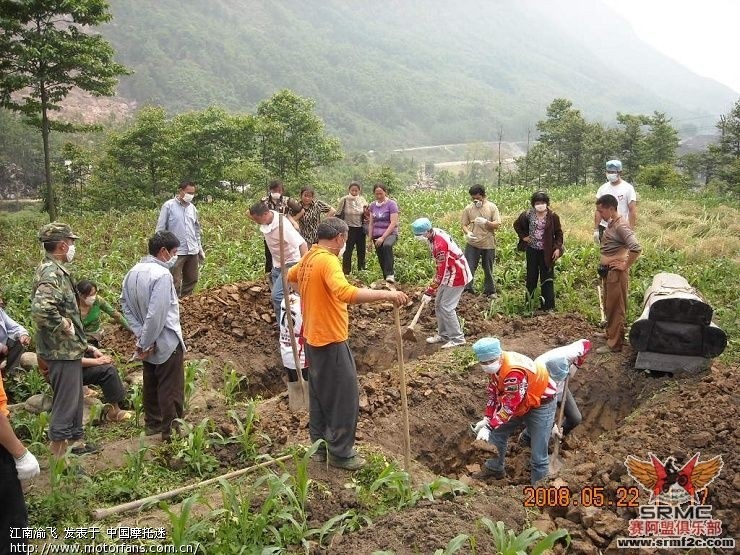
(53, 301)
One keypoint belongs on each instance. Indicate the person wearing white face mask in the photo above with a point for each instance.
(451, 276)
(60, 337)
(519, 393)
(180, 216)
(541, 238)
(480, 219)
(92, 305)
(624, 193)
(277, 201)
(150, 304)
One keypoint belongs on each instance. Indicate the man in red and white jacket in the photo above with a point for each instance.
(520, 392)
(451, 277)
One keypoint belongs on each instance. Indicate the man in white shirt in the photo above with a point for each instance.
(149, 302)
(294, 247)
(623, 192)
(179, 216)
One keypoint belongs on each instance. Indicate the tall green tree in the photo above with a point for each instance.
(564, 133)
(661, 141)
(47, 48)
(291, 137)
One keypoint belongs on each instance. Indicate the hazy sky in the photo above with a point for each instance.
(701, 34)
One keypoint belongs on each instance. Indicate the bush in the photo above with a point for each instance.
(660, 176)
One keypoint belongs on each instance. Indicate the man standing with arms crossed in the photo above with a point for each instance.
(619, 250)
(333, 386)
(149, 302)
(623, 192)
(179, 216)
(480, 219)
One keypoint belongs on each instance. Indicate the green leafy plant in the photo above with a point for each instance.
(192, 446)
(194, 369)
(456, 544)
(531, 540)
(232, 383)
(136, 398)
(183, 532)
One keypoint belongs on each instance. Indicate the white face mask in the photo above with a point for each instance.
(478, 203)
(171, 262)
(491, 367)
(341, 251)
(276, 196)
(188, 197)
(612, 177)
(70, 253)
(421, 238)
(90, 300)
(540, 207)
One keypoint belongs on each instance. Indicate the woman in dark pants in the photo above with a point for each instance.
(383, 229)
(541, 237)
(352, 210)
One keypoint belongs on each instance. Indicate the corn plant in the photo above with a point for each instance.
(456, 544)
(194, 369)
(182, 531)
(232, 383)
(136, 398)
(192, 447)
(245, 431)
(531, 540)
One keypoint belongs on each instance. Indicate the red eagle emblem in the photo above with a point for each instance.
(666, 482)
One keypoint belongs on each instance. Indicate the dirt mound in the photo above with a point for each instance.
(624, 412)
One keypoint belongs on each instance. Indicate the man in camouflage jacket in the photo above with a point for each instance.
(60, 339)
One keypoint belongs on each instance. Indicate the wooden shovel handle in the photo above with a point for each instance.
(416, 316)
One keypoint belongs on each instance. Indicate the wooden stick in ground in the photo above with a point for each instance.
(556, 462)
(288, 314)
(404, 398)
(99, 514)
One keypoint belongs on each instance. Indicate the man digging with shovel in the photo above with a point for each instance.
(518, 393)
(333, 387)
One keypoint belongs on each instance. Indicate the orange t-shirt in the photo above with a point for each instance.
(324, 292)
(3, 400)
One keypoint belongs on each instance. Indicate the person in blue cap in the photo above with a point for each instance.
(623, 192)
(519, 393)
(450, 278)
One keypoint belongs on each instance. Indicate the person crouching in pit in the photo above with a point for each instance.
(286, 347)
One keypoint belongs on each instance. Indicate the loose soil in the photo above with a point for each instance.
(625, 412)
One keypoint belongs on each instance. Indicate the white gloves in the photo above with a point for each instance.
(480, 220)
(469, 235)
(596, 237)
(479, 425)
(426, 299)
(27, 466)
(484, 434)
(556, 432)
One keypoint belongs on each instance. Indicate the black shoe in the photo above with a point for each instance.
(486, 473)
(85, 449)
(350, 463)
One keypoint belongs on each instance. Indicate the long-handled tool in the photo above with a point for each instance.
(601, 306)
(297, 391)
(404, 398)
(556, 462)
(409, 332)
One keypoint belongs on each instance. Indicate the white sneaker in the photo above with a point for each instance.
(435, 339)
(451, 344)
(391, 279)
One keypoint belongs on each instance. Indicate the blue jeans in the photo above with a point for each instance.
(276, 278)
(539, 423)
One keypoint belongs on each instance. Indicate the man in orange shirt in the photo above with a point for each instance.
(333, 387)
(16, 463)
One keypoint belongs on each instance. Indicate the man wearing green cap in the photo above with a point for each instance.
(60, 339)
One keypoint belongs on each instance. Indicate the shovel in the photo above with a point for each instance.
(556, 462)
(297, 391)
(601, 306)
(409, 332)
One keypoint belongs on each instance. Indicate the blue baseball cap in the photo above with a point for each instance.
(421, 225)
(488, 348)
(614, 166)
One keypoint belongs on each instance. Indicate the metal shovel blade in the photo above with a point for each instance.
(297, 400)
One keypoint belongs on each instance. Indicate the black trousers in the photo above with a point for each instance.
(355, 238)
(13, 514)
(538, 269)
(13, 356)
(268, 258)
(164, 393)
(385, 255)
(486, 257)
(106, 376)
(334, 397)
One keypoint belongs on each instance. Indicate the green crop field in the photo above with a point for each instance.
(694, 235)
